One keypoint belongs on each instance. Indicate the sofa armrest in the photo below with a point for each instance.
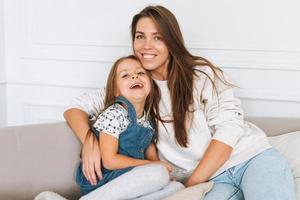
(36, 158)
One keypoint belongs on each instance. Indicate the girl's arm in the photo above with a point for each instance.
(111, 159)
(215, 156)
(151, 153)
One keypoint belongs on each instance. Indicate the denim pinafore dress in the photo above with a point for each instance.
(133, 142)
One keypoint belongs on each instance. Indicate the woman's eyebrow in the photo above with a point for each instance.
(154, 33)
(140, 32)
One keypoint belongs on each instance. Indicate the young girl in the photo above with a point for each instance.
(126, 136)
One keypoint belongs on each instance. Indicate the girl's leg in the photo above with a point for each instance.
(139, 181)
(268, 177)
(169, 189)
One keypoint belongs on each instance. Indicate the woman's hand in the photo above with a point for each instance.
(190, 182)
(91, 158)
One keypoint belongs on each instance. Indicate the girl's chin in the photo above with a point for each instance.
(136, 97)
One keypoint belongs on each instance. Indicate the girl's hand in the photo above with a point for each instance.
(91, 158)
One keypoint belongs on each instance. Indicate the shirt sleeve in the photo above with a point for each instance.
(92, 103)
(112, 121)
(223, 112)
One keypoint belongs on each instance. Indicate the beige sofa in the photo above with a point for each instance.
(42, 157)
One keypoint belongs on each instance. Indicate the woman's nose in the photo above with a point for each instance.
(148, 44)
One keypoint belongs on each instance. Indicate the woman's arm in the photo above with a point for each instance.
(215, 156)
(84, 109)
(78, 121)
(224, 117)
(78, 115)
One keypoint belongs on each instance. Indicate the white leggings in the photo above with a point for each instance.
(147, 182)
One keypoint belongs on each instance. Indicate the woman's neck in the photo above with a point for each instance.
(161, 73)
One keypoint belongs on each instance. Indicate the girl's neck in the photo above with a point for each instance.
(138, 106)
(139, 109)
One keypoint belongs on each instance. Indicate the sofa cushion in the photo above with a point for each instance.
(195, 192)
(289, 146)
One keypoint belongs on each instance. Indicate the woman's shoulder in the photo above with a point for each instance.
(205, 71)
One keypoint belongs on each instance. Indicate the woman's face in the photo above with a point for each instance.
(132, 81)
(150, 48)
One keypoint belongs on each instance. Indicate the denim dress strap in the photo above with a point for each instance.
(130, 108)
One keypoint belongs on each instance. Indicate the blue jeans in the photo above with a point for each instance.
(266, 176)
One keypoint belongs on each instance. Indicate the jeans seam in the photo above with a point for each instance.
(234, 194)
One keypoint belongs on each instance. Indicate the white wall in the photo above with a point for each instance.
(57, 49)
(2, 69)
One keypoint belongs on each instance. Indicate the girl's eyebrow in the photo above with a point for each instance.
(123, 71)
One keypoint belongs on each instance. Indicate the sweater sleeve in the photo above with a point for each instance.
(92, 103)
(223, 112)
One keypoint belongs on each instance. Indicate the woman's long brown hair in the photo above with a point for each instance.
(151, 105)
(181, 68)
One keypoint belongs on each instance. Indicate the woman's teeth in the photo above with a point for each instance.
(148, 56)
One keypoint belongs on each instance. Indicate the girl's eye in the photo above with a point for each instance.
(124, 76)
(141, 73)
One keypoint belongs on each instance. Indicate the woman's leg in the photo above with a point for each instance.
(224, 191)
(268, 177)
(169, 189)
(139, 181)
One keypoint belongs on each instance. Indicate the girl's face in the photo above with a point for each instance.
(150, 48)
(132, 80)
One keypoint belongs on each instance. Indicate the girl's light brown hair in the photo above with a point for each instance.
(151, 105)
(181, 68)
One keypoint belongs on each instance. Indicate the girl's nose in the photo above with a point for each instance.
(134, 76)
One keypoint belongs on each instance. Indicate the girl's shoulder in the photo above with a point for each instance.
(116, 109)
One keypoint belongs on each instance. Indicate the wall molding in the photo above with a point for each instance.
(267, 95)
(87, 85)
(226, 64)
(41, 112)
(189, 45)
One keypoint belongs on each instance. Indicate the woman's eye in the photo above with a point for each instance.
(139, 37)
(157, 38)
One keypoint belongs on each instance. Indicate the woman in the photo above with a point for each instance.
(201, 129)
